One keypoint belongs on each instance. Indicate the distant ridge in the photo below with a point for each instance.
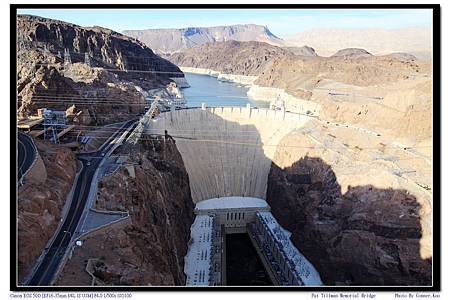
(327, 41)
(352, 52)
(302, 51)
(174, 40)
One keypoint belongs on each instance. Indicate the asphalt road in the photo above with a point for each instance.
(26, 153)
(44, 273)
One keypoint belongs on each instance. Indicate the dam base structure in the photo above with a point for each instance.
(205, 262)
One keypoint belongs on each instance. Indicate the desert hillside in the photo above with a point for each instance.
(231, 57)
(415, 40)
(388, 93)
(381, 93)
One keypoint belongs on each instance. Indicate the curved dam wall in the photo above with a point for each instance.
(227, 151)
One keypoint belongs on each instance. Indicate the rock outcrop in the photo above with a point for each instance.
(40, 203)
(174, 40)
(150, 248)
(352, 53)
(107, 70)
(231, 57)
(356, 222)
(402, 56)
(101, 96)
(302, 51)
(105, 48)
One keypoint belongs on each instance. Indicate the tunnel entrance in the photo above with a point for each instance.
(243, 265)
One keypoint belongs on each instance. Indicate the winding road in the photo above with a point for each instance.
(53, 255)
(26, 153)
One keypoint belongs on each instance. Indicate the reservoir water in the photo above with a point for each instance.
(214, 93)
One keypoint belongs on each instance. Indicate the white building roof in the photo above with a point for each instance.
(231, 202)
(197, 262)
(303, 268)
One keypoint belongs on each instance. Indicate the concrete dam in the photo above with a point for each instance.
(228, 152)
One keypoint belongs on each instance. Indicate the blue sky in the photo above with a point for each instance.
(281, 22)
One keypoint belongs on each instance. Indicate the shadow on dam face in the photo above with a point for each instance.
(234, 153)
(244, 268)
(227, 151)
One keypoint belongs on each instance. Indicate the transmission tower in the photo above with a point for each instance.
(87, 59)
(67, 59)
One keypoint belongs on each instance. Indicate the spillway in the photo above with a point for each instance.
(227, 151)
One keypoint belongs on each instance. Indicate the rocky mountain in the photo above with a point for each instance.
(352, 53)
(302, 51)
(402, 56)
(174, 40)
(118, 66)
(231, 57)
(326, 41)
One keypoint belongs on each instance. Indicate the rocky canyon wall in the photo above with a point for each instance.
(40, 201)
(149, 249)
(110, 87)
(355, 221)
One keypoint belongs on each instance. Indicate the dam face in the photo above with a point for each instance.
(227, 151)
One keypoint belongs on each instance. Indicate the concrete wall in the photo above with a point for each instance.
(234, 217)
(291, 103)
(227, 151)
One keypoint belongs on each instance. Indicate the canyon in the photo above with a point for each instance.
(149, 248)
(345, 163)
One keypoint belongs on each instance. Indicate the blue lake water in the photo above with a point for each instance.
(214, 93)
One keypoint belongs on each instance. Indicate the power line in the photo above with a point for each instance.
(120, 70)
(193, 132)
(147, 136)
(104, 98)
(86, 90)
